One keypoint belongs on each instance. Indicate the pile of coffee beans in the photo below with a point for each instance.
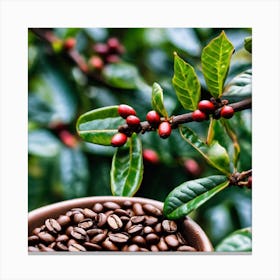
(109, 226)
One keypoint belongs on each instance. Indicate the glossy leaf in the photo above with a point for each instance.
(215, 59)
(215, 154)
(238, 241)
(248, 44)
(99, 126)
(240, 86)
(157, 100)
(186, 83)
(127, 168)
(192, 194)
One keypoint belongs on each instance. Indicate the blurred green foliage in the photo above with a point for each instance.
(61, 166)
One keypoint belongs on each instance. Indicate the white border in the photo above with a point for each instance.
(17, 16)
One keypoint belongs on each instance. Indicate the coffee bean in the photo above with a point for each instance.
(62, 238)
(152, 238)
(127, 204)
(152, 210)
(114, 222)
(124, 219)
(77, 210)
(130, 212)
(36, 231)
(101, 219)
(88, 213)
(52, 245)
(150, 220)
(33, 249)
(61, 247)
(33, 240)
(44, 248)
(169, 226)
(162, 246)
(52, 225)
(92, 246)
(119, 238)
(108, 213)
(133, 248)
(185, 248)
(141, 249)
(171, 240)
(111, 205)
(137, 219)
(94, 231)
(137, 208)
(86, 223)
(128, 225)
(154, 248)
(180, 238)
(121, 212)
(79, 233)
(158, 228)
(69, 230)
(109, 245)
(139, 240)
(135, 229)
(148, 230)
(64, 220)
(71, 241)
(78, 217)
(97, 207)
(124, 248)
(100, 237)
(76, 248)
(46, 237)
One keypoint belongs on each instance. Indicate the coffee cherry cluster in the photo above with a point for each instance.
(207, 107)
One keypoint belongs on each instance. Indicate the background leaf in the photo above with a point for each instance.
(192, 194)
(186, 83)
(215, 60)
(98, 126)
(248, 44)
(157, 100)
(238, 241)
(127, 168)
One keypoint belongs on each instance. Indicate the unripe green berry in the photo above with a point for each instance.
(199, 116)
(227, 112)
(153, 118)
(132, 120)
(125, 111)
(118, 140)
(164, 129)
(206, 106)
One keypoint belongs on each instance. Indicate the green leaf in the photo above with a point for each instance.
(157, 100)
(186, 84)
(99, 126)
(121, 75)
(127, 168)
(238, 241)
(248, 44)
(215, 61)
(192, 194)
(240, 86)
(215, 154)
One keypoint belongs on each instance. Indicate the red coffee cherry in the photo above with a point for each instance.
(199, 116)
(132, 120)
(153, 118)
(101, 48)
(112, 58)
(119, 139)
(227, 112)
(68, 139)
(192, 167)
(114, 45)
(164, 129)
(206, 106)
(69, 43)
(96, 62)
(125, 111)
(150, 156)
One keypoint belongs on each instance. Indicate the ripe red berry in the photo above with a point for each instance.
(114, 45)
(96, 62)
(192, 167)
(101, 48)
(227, 112)
(199, 116)
(125, 111)
(68, 139)
(249, 183)
(112, 58)
(150, 156)
(69, 43)
(153, 118)
(206, 106)
(119, 139)
(164, 129)
(132, 120)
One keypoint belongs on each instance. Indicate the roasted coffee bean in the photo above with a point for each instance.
(100, 237)
(150, 220)
(135, 229)
(71, 241)
(101, 219)
(69, 230)
(133, 248)
(46, 237)
(121, 212)
(128, 225)
(36, 231)
(33, 240)
(64, 220)
(119, 238)
(151, 210)
(172, 241)
(79, 233)
(76, 248)
(44, 248)
(88, 213)
(152, 238)
(154, 248)
(162, 246)
(169, 226)
(185, 248)
(180, 238)
(130, 212)
(78, 217)
(114, 222)
(108, 213)
(124, 248)
(94, 231)
(52, 225)
(109, 245)
(52, 245)
(97, 207)
(137, 219)
(111, 205)
(77, 210)
(139, 240)
(61, 246)
(86, 223)
(141, 249)
(137, 208)
(124, 219)
(92, 246)
(33, 249)
(158, 228)
(148, 230)
(127, 204)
